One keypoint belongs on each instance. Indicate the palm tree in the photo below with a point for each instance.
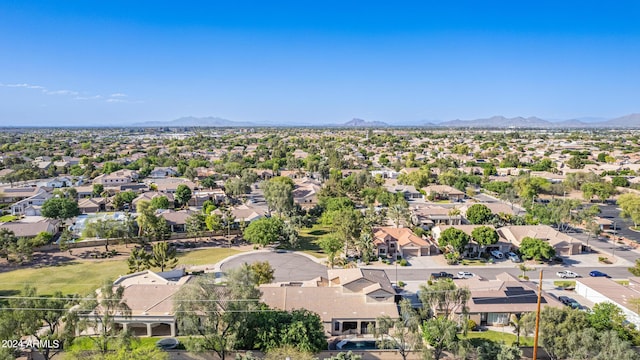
(454, 212)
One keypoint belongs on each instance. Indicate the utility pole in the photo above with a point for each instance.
(535, 338)
(615, 238)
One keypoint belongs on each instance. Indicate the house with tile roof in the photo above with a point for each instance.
(149, 295)
(492, 302)
(393, 242)
(348, 301)
(564, 244)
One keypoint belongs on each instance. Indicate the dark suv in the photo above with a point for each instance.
(440, 275)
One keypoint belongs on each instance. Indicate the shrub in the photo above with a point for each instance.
(401, 284)
(403, 262)
(471, 325)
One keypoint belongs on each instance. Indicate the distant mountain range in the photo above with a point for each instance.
(627, 121)
(190, 121)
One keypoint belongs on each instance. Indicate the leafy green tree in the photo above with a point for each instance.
(575, 162)
(346, 356)
(183, 194)
(529, 187)
(264, 231)
(217, 314)
(160, 202)
(196, 224)
(150, 225)
(138, 260)
(484, 235)
(122, 198)
(588, 344)
(536, 249)
(441, 334)
(236, 187)
(65, 240)
(98, 189)
(60, 208)
(630, 206)
(479, 214)
(263, 272)
(608, 316)
(8, 241)
(455, 238)
(331, 245)
(278, 192)
(40, 317)
(635, 270)
(620, 181)
(214, 222)
(163, 256)
(105, 229)
(603, 190)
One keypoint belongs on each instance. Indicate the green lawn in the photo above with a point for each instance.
(308, 238)
(76, 277)
(564, 283)
(473, 262)
(7, 218)
(507, 337)
(86, 344)
(205, 256)
(84, 276)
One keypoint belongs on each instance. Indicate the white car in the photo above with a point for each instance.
(497, 254)
(566, 274)
(465, 275)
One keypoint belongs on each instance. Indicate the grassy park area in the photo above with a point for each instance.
(308, 238)
(84, 276)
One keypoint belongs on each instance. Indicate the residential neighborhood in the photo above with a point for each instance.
(349, 239)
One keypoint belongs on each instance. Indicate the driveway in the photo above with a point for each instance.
(288, 266)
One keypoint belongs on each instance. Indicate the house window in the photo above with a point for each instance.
(382, 251)
(349, 326)
(497, 318)
(336, 326)
(364, 326)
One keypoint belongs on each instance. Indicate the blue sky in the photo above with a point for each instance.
(78, 62)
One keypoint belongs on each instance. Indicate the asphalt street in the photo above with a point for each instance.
(288, 266)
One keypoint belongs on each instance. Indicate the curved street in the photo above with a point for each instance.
(288, 266)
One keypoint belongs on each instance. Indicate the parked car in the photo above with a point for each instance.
(566, 274)
(569, 302)
(440, 275)
(465, 275)
(596, 273)
(513, 257)
(497, 254)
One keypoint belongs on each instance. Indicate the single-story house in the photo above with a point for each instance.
(163, 172)
(149, 295)
(348, 301)
(31, 226)
(492, 302)
(563, 244)
(496, 208)
(443, 192)
(92, 205)
(601, 289)
(177, 220)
